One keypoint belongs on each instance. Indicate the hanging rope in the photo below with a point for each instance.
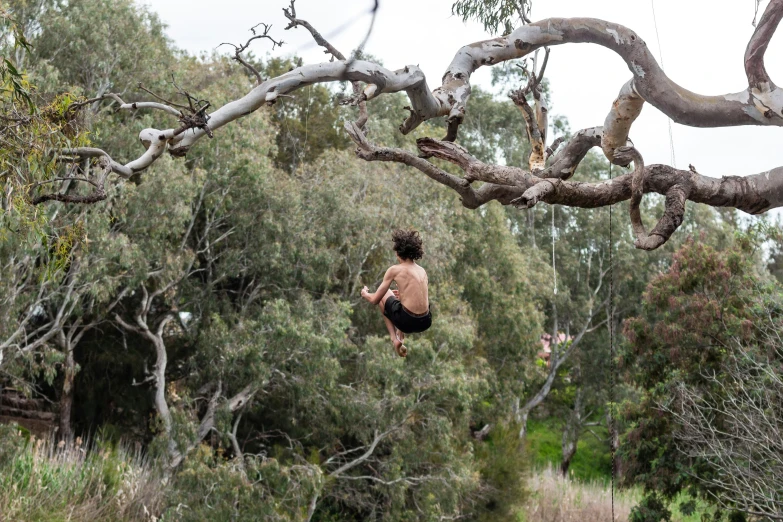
(660, 55)
(554, 270)
(612, 366)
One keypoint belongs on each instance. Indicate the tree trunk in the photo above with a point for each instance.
(161, 406)
(538, 398)
(614, 444)
(571, 432)
(569, 450)
(522, 419)
(66, 399)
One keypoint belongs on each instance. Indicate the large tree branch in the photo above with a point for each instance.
(749, 107)
(757, 105)
(760, 104)
(753, 194)
(757, 46)
(359, 97)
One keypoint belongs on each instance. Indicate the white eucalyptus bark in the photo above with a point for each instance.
(158, 377)
(761, 103)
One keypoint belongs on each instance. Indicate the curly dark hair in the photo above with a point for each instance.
(407, 244)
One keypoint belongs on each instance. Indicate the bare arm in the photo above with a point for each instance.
(376, 297)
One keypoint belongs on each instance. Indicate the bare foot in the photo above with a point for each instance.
(400, 348)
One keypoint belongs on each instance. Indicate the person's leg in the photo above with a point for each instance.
(397, 337)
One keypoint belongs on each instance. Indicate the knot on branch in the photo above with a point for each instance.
(360, 96)
(179, 152)
(446, 150)
(625, 155)
(196, 120)
(191, 116)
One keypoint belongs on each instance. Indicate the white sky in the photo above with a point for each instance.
(702, 41)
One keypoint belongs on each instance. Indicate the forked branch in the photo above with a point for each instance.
(359, 97)
(761, 103)
(239, 49)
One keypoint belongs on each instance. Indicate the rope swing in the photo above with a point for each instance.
(612, 364)
(554, 269)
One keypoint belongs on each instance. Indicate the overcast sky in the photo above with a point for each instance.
(702, 43)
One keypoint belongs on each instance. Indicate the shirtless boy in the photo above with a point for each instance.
(407, 309)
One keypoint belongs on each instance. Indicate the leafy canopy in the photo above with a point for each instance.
(493, 14)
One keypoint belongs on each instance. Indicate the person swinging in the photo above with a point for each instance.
(407, 309)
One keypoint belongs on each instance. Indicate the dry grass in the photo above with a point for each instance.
(42, 481)
(554, 499)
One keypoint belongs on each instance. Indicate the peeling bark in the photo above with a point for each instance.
(753, 194)
(625, 109)
(757, 74)
(761, 103)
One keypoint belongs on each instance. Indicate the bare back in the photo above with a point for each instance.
(412, 283)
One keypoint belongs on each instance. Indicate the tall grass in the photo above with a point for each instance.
(554, 499)
(44, 481)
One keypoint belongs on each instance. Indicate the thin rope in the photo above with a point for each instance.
(660, 55)
(554, 270)
(612, 366)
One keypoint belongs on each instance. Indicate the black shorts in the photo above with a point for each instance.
(404, 321)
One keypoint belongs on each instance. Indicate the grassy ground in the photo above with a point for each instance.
(585, 496)
(40, 481)
(553, 499)
(592, 461)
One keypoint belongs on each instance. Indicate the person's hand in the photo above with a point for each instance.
(365, 292)
(396, 293)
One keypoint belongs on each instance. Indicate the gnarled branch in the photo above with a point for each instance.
(761, 103)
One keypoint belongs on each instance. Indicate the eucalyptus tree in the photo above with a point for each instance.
(759, 104)
(95, 61)
(704, 354)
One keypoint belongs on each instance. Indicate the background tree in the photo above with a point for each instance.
(207, 310)
(704, 320)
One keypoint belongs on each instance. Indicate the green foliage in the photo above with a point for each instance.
(494, 132)
(309, 122)
(14, 86)
(96, 60)
(592, 462)
(261, 239)
(493, 14)
(41, 482)
(504, 471)
(502, 286)
(258, 488)
(693, 316)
